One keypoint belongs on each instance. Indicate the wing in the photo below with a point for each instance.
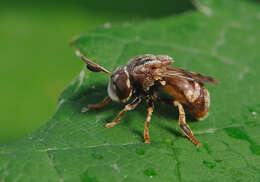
(172, 72)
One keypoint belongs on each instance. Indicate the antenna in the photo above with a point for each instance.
(94, 67)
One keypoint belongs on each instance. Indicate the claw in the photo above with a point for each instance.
(147, 141)
(109, 125)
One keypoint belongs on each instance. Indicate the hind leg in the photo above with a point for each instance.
(183, 125)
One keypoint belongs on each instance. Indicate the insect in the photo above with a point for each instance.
(143, 76)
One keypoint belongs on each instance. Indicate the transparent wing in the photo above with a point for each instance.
(173, 72)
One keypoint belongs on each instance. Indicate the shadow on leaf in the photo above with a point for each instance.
(93, 95)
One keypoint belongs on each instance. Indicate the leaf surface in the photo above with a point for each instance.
(220, 39)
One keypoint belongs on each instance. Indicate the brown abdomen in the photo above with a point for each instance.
(192, 94)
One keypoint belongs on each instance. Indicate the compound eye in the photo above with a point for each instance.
(112, 91)
(120, 88)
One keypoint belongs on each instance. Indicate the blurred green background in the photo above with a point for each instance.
(36, 61)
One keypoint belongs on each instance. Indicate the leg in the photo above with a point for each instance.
(99, 105)
(183, 125)
(147, 121)
(91, 65)
(128, 107)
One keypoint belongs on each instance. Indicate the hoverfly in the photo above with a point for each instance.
(143, 76)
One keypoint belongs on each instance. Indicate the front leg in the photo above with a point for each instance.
(183, 125)
(100, 105)
(128, 107)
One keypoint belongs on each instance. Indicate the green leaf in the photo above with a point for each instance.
(221, 39)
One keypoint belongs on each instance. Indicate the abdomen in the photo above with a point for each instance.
(192, 94)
